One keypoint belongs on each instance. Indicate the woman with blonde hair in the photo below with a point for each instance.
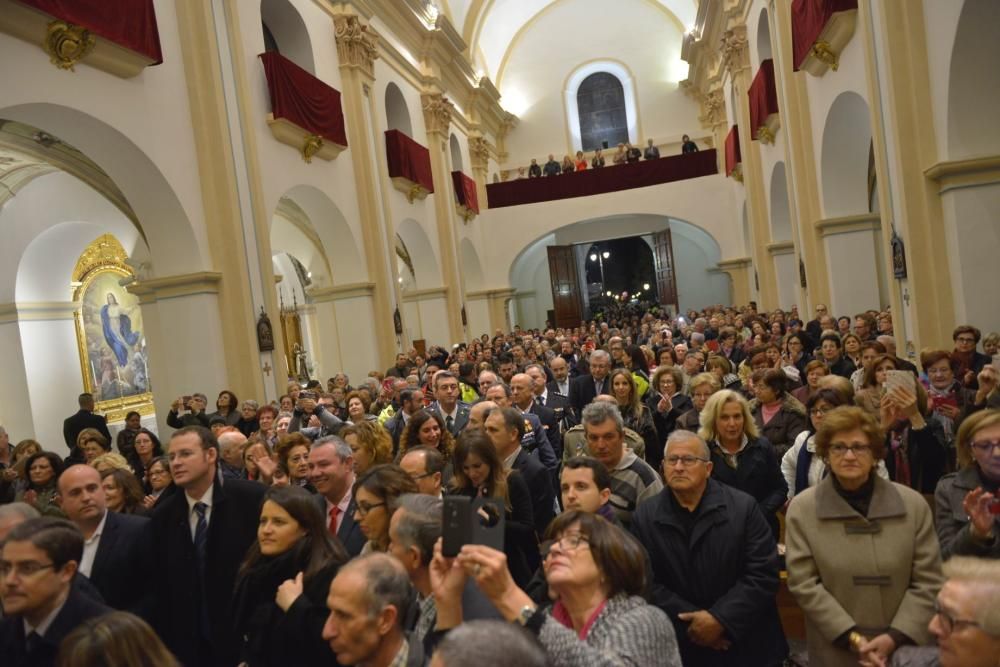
(702, 386)
(741, 457)
(963, 499)
(635, 415)
(117, 638)
(370, 442)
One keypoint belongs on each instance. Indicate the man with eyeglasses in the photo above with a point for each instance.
(426, 466)
(966, 622)
(38, 563)
(715, 563)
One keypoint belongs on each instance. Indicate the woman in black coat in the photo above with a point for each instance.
(666, 403)
(279, 603)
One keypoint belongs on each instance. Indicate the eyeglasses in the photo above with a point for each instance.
(569, 542)
(363, 509)
(686, 461)
(965, 339)
(158, 473)
(857, 450)
(819, 412)
(949, 624)
(986, 447)
(938, 371)
(23, 570)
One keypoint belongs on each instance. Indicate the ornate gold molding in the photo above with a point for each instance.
(103, 252)
(357, 44)
(308, 145)
(764, 135)
(464, 212)
(825, 54)
(410, 190)
(67, 43)
(311, 145)
(438, 110)
(479, 152)
(826, 50)
(735, 50)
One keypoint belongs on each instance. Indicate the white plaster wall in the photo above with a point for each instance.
(54, 378)
(706, 202)
(974, 233)
(434, 322)
(354, 319)
(941, 23)
(15, 401)
(478, 313)
(697, 285)
(329, 357)
(854, 275)
(537, 67)
(787, 273)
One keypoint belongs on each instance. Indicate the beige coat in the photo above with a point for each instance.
(875, 573)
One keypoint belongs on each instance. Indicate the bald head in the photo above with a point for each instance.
(75, 474)
(522, 389)
(231, 447)
(82, 497)
(479, 412)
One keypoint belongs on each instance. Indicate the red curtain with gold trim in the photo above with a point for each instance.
(733, 156)
(128, 23)
(809, 17)
(763, 96)
(465, 191)
(299, 97)
(408, 159)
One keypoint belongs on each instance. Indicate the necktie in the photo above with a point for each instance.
(449, 422)
(334, 513)
(539, 401)
(32, 642)
(201, 534)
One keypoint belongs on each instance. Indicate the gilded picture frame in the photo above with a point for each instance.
(110, 332)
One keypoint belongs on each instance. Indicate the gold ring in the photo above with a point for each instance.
(476, 570)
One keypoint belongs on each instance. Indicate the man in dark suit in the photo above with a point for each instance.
(559, 384)
(410, 401)
(505, 427)
(814, 328)
(199, 538)
(114, 548)
(40, 604)
(331, 472)
(84, 418)
(523, 398)
(583, 389)
(555, 401)
(454, 412)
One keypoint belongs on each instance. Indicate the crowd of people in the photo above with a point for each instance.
(654, 480)
(625, 153)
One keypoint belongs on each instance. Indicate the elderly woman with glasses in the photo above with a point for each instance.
(950, 402)
(863, 560)
(967, 502)
(597, 575)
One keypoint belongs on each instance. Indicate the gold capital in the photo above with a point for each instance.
(67, 44)
(735, 51)
(357, 44)
(437, 113)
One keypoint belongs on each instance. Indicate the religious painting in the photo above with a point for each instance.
(110, 331)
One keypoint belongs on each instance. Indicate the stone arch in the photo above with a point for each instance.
(472, 268)
(781, 219)
(973, 85)
(283, 24)
(846, 139)
(319, 224)
(163, 222)
(456, 153)
(397, 113)
(624, 75)
(424, 264)
(763, 37)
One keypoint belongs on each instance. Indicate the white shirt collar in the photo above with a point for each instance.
(99, 530)
(207, 499)
(46, 623)
(508, 462)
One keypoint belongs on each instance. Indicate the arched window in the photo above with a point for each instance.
(397, 114)
(601, 111)
(285, 32)
(456, 153)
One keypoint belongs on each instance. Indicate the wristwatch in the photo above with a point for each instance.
(531, 618)
(855, 640)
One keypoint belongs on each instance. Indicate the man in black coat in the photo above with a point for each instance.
(585, 388)
(715, 563)
(523, 398)
(200, 536)
(41, 605)
(84, 418)
(505, 427)
(115, 554)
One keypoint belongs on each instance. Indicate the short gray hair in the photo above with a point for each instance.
(343, 450)
(984, 576)
(601, 354)
(599, 412)
(250, 403)
(22, 511)
(419, 525)
(681, 435)
(490, 642)
(387, 583)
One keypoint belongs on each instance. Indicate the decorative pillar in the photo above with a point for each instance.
(479, 152)
(437, 119)
(923, 303)
(800, 164)
(357, 49)
(736, 60)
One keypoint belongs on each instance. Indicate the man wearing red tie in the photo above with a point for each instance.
(331, 472)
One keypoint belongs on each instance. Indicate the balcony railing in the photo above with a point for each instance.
(599, 181)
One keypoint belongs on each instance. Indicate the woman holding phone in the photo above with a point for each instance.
(950, 401)
(916, 454)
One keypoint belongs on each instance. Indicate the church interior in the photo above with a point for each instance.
(198, 195)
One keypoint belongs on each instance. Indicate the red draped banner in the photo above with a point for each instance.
(465, 191)
(301, 98)
(599, 181)
(809, 17)
(408, 159)
(733, 156)
(128, 23)
(763, 96)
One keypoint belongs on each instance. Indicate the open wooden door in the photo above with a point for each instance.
(565, 286)
(663, 262)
